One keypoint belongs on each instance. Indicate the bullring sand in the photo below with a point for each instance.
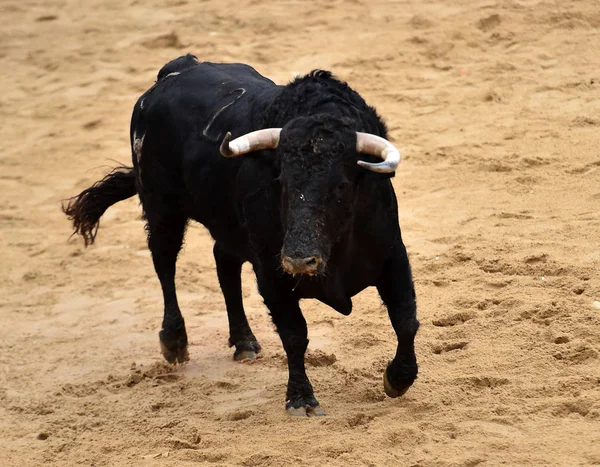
(495, 106)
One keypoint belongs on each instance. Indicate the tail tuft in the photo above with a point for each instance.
(86, 209)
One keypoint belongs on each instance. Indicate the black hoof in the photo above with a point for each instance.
(247, 349)
(174, 349)
(398, 385)
(306, 411)
(304, 407)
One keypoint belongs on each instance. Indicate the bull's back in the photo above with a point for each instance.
(181, 121)
(191, 96)
(185, 115)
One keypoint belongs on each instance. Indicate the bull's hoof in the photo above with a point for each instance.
(174, 351)
(179, 355)
(306, 411)
(399, 388)
(306, 406)
(246, 355)
(247, 350)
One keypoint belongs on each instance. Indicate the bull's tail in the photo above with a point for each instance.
(87, 207)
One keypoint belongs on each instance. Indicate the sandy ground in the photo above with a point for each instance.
(496, 107)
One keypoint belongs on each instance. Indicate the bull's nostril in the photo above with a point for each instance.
(303, 265)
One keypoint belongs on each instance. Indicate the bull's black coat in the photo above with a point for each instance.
(307, 197)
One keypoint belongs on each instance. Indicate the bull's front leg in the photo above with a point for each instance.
(395, 285)
(291, 326)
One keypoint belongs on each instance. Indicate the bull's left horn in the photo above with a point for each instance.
(378, 147)
(255, 141)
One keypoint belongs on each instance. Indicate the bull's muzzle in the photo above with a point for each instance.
(310, 265)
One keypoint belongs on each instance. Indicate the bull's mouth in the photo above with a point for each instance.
(310, 265)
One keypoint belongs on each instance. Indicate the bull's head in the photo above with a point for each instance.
(319, 159)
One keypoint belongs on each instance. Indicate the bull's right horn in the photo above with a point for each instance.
(379, 147)
(254, 141)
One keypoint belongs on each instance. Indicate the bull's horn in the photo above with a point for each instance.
(378, 147)
(255, 141)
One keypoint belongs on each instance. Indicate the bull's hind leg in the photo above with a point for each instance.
(229, 270)
(166, 229)
(395, 285)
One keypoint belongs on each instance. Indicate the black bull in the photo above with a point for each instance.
(305, 208)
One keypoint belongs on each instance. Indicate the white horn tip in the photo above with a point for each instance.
(379, 167)
(240, 145)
